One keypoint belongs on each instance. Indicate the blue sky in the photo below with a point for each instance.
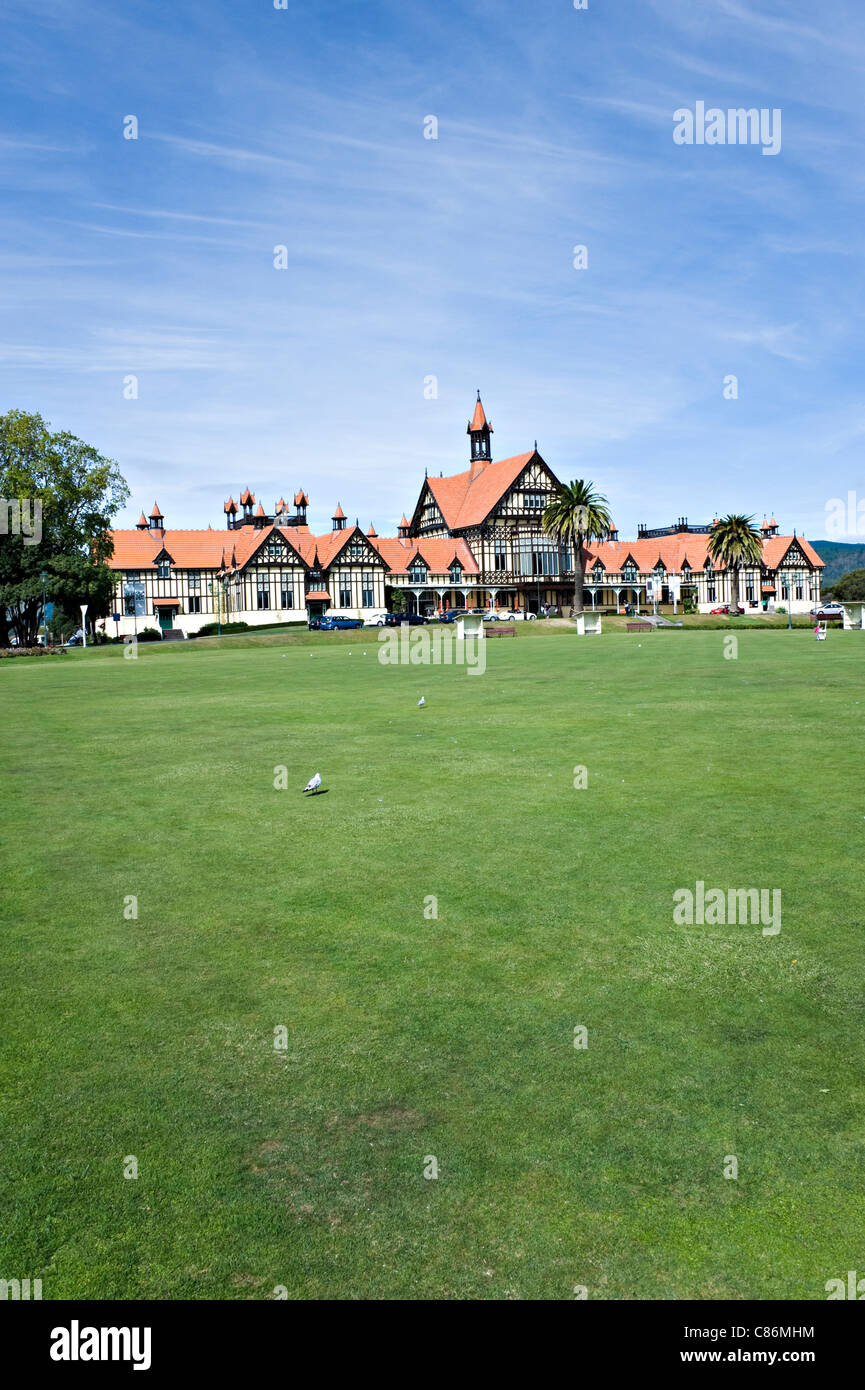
(410, 257)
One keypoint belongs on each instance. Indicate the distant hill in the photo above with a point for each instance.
(840, 558)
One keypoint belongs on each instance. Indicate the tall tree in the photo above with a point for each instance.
(734, 542)
(58, 496)
(576, 516)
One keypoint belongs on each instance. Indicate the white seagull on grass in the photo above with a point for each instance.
(314, 783)
(421, 702)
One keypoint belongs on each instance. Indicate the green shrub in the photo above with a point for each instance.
(150, 634)
(211, 629)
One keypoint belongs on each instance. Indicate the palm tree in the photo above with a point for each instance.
(576, 515)
(734, 542)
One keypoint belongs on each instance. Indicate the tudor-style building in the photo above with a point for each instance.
(617, 572)
(474, 540)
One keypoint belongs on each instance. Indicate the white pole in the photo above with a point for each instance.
(84, 607)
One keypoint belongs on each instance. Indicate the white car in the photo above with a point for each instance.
(524, 616)
(374, 619)
(829, 610)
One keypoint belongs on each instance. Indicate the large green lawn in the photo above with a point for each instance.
(410, 1037)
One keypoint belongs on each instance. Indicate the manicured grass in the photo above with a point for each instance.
(410, 1036)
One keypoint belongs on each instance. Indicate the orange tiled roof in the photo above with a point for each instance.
(439, 553)
(246, 497)
(156, 511)
(319, 594)
(301, 499)
(673, 551)
(142, 520)
(776, 547)
(230, 506)
(479, 419)
(339, 514)
(466, 501)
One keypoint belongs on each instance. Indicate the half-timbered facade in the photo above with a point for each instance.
(475, 539)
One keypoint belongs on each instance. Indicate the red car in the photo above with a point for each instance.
(725, 608)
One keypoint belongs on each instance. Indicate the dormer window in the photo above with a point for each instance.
(418, 572)
(163, 569)
(456, 572)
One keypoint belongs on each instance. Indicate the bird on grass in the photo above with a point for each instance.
(314, 783)
(421, 702)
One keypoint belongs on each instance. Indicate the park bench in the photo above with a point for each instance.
(502, 631)
(639, 627)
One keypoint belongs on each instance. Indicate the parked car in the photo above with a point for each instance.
(413, 619)
(315, 624)
(725, 608)
(348, 622)
(377, 619)
(827, 611)
(450, 615)
(524, 616)
(497, 615)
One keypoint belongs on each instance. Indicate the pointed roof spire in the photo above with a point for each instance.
(259, 511)
(142, 521)
(156, 511)
(339, 514)
(301, 499)
(372, 531)
(479, 419)
(230, 506)
(403, 524)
